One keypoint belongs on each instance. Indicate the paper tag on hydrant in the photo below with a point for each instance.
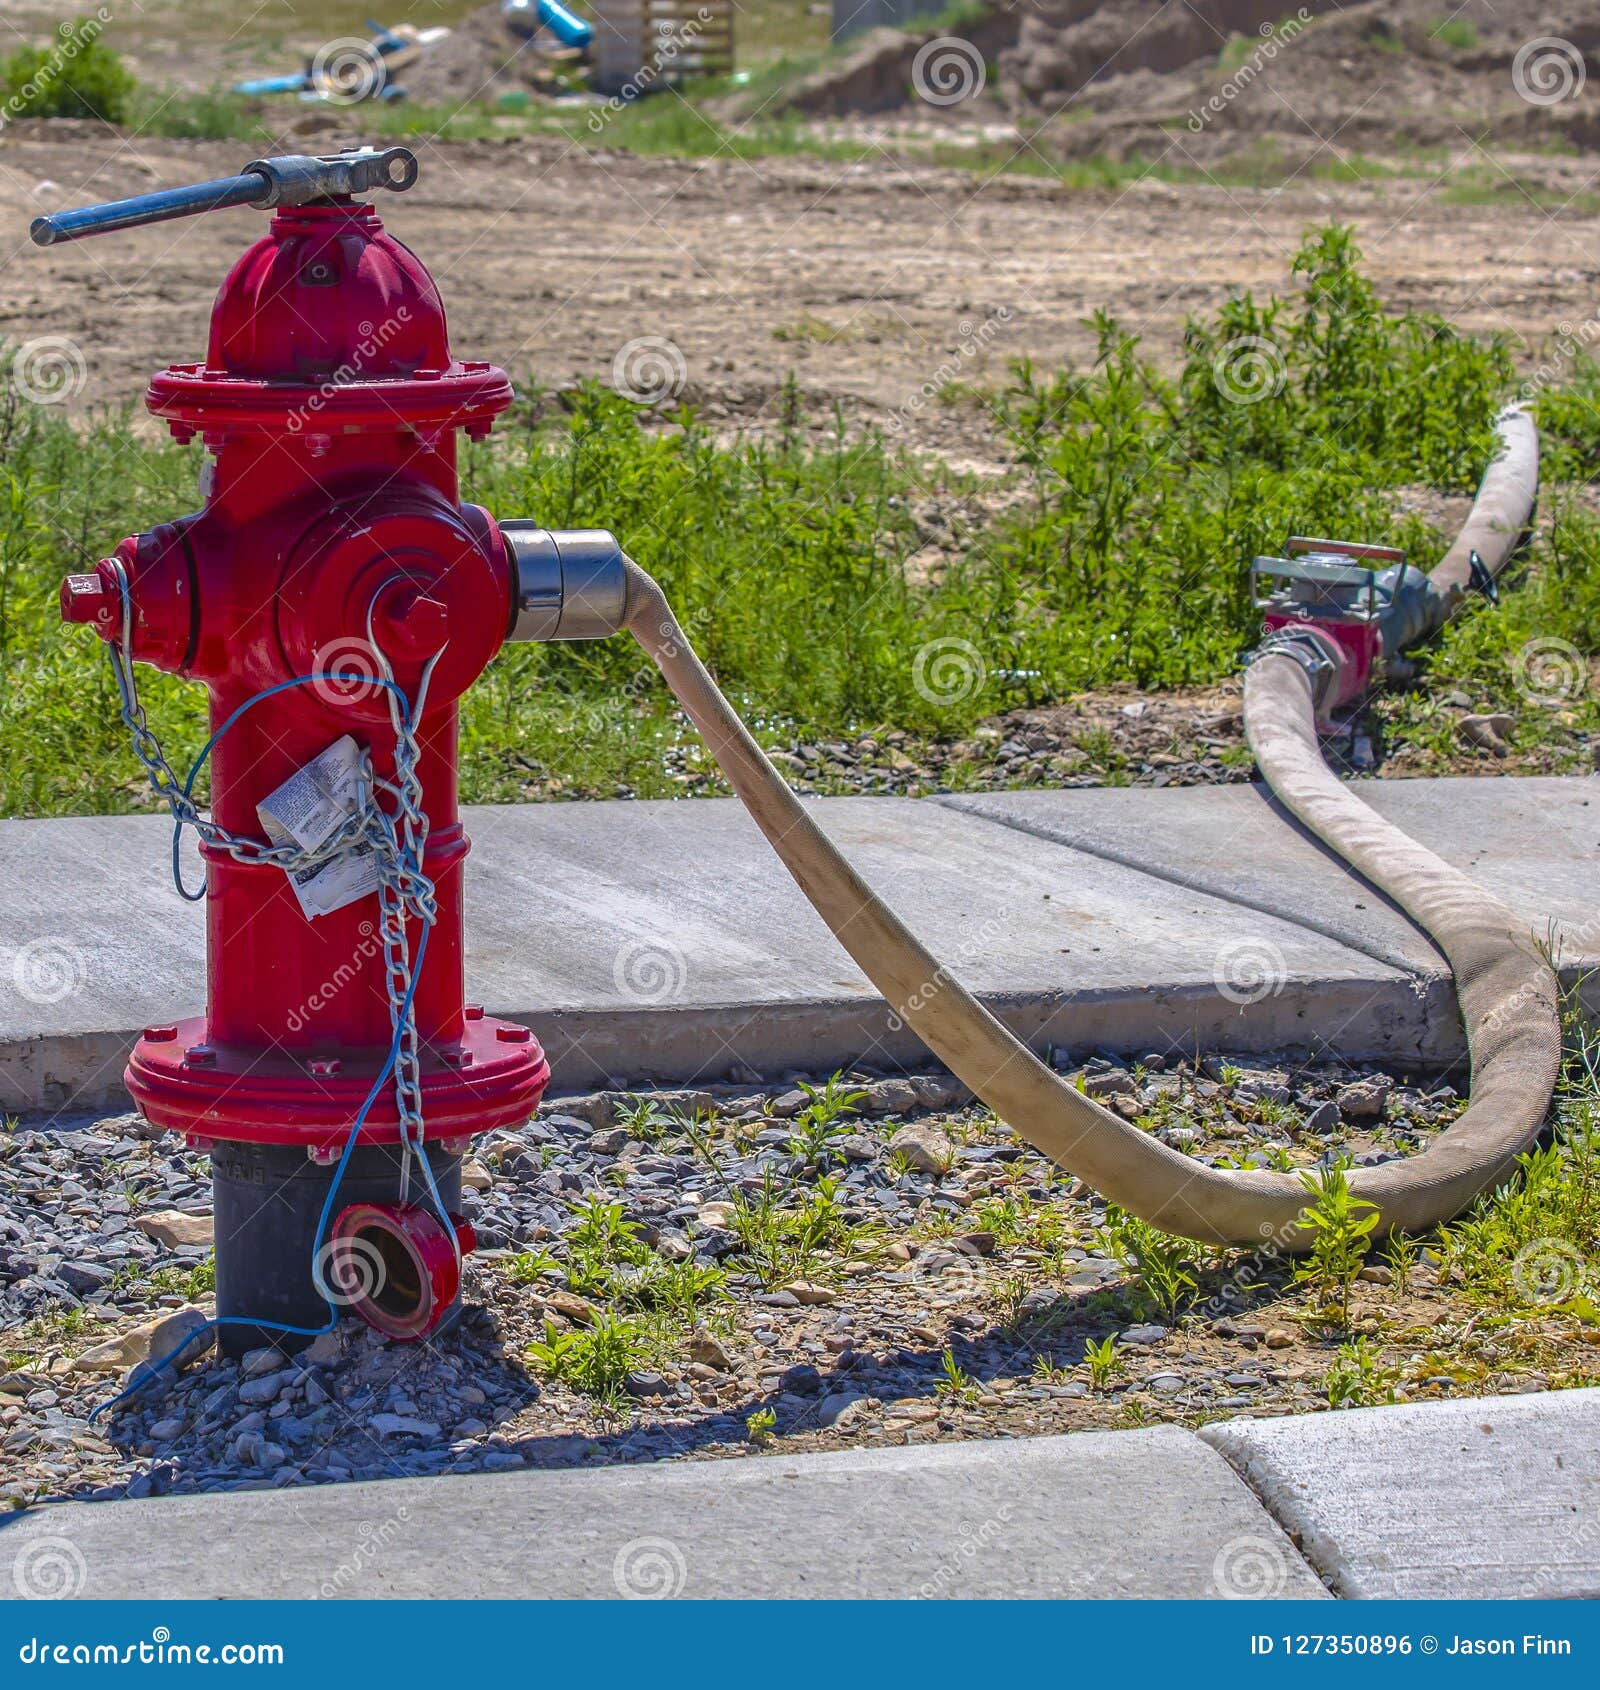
(306, 810)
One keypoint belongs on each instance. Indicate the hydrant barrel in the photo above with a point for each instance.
(332, 573)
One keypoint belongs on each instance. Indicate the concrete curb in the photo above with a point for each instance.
(1150, 1513)
(1473, 1498)
(1484, 1498)
(661, 941)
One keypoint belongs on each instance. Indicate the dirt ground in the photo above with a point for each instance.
(876, 285)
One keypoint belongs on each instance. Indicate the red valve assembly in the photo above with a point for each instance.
(332, 541)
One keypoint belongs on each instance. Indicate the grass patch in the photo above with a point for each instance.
(1140, 498)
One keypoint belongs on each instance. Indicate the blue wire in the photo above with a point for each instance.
(148, 1372)
(210, 745)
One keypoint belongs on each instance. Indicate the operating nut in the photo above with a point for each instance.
(565, 584)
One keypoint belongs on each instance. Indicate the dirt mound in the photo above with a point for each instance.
(877, 71)
(1064, 45)
(1329, 79)
(478, 61)
(1212, 77)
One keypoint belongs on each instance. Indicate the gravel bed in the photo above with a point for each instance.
(957, 1286)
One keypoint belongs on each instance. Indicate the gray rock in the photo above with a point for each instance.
(926, 1147)
(890, 1097)
(402, 1425)
(1365, 1100)
(835, 1404)
(262, 1389)
(1141, 1337)
(323, 1349)
(1323, 1119)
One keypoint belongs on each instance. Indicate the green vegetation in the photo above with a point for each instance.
(1459, 34)
(1102, 1360)
(75, 76)
(1140, 496)
(758, 1426)
(792, 1230)
(820, 1125)
(1359, 1377)
(1167, 1268)
(1533, 1243)
(1341, 1227)
(595, 1359)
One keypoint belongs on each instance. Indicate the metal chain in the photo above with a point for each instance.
(396, 840)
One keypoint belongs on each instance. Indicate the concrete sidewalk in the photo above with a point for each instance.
(664, 941)
(1486, 1498)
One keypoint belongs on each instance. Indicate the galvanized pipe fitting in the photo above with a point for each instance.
(565, 584)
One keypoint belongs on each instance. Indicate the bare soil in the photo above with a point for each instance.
(873, 284)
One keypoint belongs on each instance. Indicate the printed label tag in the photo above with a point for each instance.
(305, 811)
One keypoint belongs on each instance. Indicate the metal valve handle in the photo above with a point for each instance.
(293, 179)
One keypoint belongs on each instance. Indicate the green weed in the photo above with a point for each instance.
(1342, 1225)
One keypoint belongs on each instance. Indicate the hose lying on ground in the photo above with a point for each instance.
(1508, 994)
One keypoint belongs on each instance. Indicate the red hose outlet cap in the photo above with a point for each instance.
(395, 1266)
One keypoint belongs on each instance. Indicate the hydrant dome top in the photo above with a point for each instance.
(328, 296)
(328, 324)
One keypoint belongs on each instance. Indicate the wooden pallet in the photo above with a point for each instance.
(641, 45)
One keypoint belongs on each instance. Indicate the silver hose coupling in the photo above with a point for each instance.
(566, 584)
(1315, 651)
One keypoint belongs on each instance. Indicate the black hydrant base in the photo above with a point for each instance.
(268, 1200)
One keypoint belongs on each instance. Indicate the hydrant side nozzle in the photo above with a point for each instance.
(90, 601)
(566, 584)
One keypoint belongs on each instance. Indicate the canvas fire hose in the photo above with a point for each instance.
(337, 598)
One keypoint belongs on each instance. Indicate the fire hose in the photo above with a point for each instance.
(1506, 988)
(333, 537)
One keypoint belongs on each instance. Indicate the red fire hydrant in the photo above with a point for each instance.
(332, 543)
